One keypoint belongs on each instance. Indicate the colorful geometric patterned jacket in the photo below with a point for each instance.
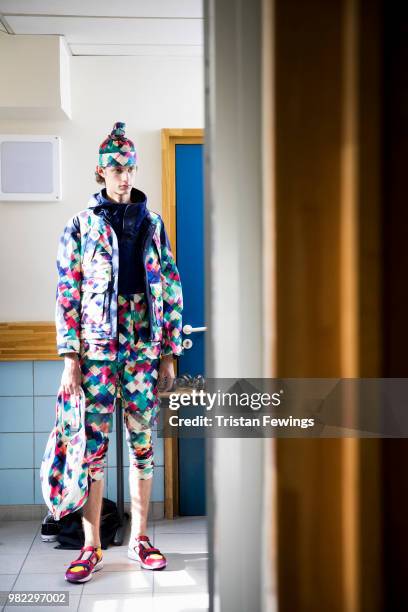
(87, 288)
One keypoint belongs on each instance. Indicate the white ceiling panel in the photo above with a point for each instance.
(155, 50)
(113, 30)
(120, 8)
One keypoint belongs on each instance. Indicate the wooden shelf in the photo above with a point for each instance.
(27, 341)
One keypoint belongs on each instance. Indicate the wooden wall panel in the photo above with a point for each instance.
(328, 292)
(28, 340)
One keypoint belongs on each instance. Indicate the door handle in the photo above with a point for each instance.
(187, 329)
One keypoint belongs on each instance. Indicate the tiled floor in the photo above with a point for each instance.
(28, 563)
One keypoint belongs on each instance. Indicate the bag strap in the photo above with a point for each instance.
(76, 407)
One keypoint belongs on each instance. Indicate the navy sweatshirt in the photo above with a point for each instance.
(131, 266)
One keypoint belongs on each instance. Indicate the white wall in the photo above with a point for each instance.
(148, 93)
(26, 62)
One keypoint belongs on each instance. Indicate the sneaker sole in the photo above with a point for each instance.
(132, 555)
(97, 567)
(49, 538)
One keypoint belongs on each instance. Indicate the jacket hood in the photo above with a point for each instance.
(134, 224)
(100, 198)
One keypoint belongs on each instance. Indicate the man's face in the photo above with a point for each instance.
(119, 179)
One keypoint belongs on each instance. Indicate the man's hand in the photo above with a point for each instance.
(166, 373)
(71, 376)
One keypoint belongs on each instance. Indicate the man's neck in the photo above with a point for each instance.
(118, 198)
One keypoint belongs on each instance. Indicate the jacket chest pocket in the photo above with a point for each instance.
(157, 302)
(95, 301)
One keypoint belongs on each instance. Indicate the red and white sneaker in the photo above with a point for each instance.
(140, 549)
(89, 561)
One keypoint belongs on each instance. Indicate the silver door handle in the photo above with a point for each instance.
(187, 329)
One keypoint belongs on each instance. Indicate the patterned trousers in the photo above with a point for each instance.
(133, 377)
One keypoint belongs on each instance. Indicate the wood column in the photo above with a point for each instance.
(328, 292)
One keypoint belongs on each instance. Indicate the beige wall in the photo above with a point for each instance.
(148, 93)
(30, 68)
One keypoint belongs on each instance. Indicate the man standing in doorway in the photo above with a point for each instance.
(119, 325)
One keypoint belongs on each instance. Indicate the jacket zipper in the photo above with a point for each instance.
(124, 215)
(147, 286)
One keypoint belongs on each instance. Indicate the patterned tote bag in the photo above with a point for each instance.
(64, 469)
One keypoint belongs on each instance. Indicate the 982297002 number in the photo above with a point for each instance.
(21, 598)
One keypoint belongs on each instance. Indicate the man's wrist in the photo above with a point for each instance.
(71, 357)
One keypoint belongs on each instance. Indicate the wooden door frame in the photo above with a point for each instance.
(169, 139)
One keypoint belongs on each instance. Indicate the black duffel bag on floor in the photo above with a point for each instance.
(71, 533)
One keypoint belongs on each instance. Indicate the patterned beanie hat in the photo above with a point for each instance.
(116, 149)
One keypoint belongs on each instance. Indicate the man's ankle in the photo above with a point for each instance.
(135, 535)
(138, 529)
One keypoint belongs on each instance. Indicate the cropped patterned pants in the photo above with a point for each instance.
(133, 376)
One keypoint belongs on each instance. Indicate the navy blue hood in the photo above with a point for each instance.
(113, 213)
(136, 197)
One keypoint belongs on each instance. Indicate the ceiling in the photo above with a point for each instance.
(103, 27)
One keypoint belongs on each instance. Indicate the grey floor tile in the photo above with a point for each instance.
(118, 603)
(118, 582)
(116, 560)
(122, 584)
(54, 562)
(181, 602)
(187, 561)
(38, 546)
(46, 582)
(182, 524)
(119, 563)
(7, 581)
(181, 542)
(19, 529)
(15, 546)
(181, 581)
(11, 563)
(183, 550)
(18, 538)
(116, 550)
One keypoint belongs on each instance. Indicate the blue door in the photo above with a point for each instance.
(190, 261)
